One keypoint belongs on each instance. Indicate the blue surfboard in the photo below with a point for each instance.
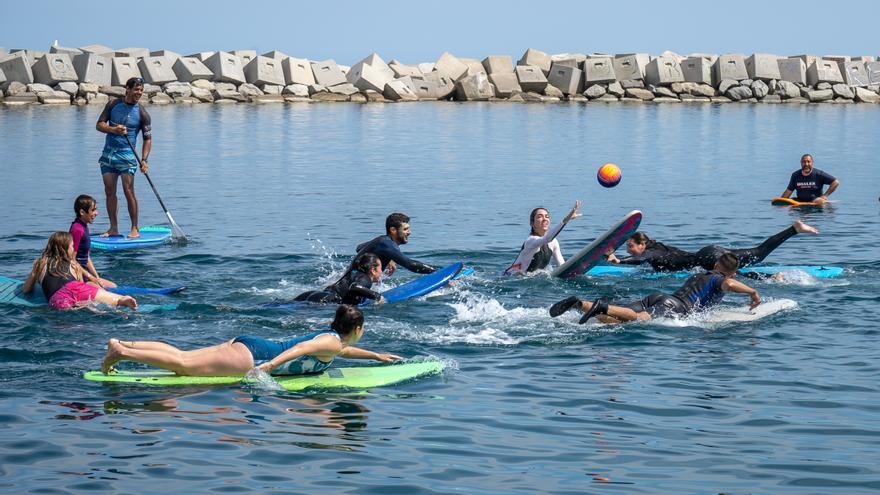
(126, 290)
(424, 284)
(636, 271)
(150, 236)
(10, 292)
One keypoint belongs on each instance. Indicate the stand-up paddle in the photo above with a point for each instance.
(177, 231)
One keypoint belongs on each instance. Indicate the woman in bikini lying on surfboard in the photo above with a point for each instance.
(541, 246)
(311, 353)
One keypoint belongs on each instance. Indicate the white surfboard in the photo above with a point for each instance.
(743, 313)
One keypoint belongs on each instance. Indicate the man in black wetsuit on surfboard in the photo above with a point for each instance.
(387, 247)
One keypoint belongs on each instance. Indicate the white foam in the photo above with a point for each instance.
(259, 379)
(801, 278)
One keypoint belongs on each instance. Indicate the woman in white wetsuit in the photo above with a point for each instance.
(541, 245)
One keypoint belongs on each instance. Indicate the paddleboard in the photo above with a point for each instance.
(10, 292)
(423, 285)
(594, 253)
(150, 236)
(736, 314)
(791, 202)
(632, 270)
(349, 378)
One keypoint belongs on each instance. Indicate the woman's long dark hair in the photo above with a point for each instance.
(642, 238)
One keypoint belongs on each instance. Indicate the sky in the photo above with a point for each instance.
(413, 32)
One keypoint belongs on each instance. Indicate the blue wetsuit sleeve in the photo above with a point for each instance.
(146, 123)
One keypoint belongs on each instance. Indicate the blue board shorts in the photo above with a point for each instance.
(118, 162)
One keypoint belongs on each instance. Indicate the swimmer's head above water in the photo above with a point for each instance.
(397, 227)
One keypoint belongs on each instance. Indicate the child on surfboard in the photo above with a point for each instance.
(61, 278)
(700, 291)
(311, 353)
(86, 209)
(353, 287)
(541, 246)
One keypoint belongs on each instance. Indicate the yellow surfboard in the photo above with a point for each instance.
(791, 202)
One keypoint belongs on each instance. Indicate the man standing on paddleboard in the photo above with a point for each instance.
(809, 182)
(387, 247)
(121, 117)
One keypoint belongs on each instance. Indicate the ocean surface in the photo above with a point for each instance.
(275, 198)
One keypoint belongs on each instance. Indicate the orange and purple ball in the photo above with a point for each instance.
(609, 175)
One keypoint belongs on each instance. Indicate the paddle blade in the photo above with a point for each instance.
(176, 232)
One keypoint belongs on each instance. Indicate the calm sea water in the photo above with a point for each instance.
(274, 199)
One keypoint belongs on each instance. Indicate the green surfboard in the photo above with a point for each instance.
(360, 377)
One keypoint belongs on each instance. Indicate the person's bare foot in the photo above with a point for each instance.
(127, 301)
(803, 228)
(110, 233)
(135, 233)
(114, 355)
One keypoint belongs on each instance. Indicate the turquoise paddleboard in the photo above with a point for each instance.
(334, 378)
(646, 272)
(150, 236)
(594, 253)
(10, 293)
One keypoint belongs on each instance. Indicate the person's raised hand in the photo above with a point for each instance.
(573, 213)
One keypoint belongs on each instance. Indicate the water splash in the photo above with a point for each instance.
(260, 380)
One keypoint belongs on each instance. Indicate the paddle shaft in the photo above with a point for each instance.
(152, 186)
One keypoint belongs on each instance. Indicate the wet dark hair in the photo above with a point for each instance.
(642, 238)
(366, 261)
(347, 318)
(532, 218)
(133, 82)
(395, 220)
(729, 262)
(806, 155)
(83, 202)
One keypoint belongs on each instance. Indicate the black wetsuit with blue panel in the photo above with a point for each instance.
(700, 291)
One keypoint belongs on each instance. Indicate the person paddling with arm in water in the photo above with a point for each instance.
(353, 287)
(700, 291)
(809, 182)
(541, 246)
(311, 353)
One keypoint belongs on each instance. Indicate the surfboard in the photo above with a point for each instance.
(726, 314)
(150, 236)
(791, 202)
(423, 285)
(10, 293)
(645, 272)
(360, 377)
(594, 253)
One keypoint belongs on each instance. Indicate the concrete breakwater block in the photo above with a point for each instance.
(599, 70)
(442, 85)
(202, 56)
(17, 67)
(123, 68)
(403, 70)
(245, 56)
(157, 70)
(264, 70)
(865, 95)
(793, 70)
(630, 66)
(171, 56)
(531, 78)
(536, 58)
(92, 68)
(104, 51)
(426, 67)
(132, 53)
(189, 69)
(498, 64)
(474, 88)
(400, 90)
(697, 70)
(280, 56)
(327, 73)
(226, 67)
(854, 73)
(763, 66)
(474, 67)
(64, 49)
(569, 80)
(731, 66)
(825, 71)
(53, 69)
(506, 84)
(367, 77)
(873, 70)
(375, 61)
(297, 71)
(2, 80)
(663, 71)
(450, 65)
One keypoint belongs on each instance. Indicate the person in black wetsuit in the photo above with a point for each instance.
(354, 287)
(809, 183)
(644, 250)
(387, 247)
(700, 291)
